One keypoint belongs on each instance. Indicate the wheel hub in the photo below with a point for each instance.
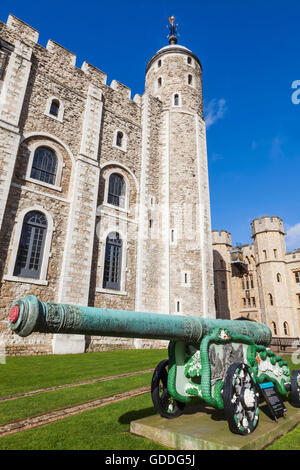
(248, 397)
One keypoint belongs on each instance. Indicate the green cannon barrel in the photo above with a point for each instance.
(28, 315)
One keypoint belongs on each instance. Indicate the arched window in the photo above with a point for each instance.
(112, 263)
(189, 60)
(278, 276)
(270, 299)
(286, 328)
(44, 165)
(54, 108)
(176, 100)
(159, 82)
(31, 246)
(116, 190)
(119, 139)
(159, 63)
(190, 79)
(274, 327)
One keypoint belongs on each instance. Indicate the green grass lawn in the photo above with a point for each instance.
(22, 374)
(33, 405)
(103, 428)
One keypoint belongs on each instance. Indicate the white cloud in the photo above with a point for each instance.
(293, 237)
(214, 111)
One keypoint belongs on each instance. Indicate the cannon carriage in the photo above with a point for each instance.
(222, 362)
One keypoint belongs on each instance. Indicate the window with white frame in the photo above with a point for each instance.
(112, 262)
(120, 140)
(44, 165)
(55, 108)
(116, 190)
(31, 246)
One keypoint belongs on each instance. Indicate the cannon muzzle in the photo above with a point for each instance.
(28, 315)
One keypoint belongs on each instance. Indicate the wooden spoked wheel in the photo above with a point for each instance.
(163, 402)
(240, 399)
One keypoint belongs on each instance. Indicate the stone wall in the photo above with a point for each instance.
(162, 160)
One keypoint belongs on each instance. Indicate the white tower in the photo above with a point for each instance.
(175, 263)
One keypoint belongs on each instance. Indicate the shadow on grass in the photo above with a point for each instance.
(191, 409)
(136, 414)
(200, 407)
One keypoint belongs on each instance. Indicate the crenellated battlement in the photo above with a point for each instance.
(221, 238)
(16, 30)
(292, 256)
(267, 224)
(96, 74)
(122, 89)
(23, 30)
(61, 53)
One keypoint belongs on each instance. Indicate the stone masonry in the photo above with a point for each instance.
(154, 143)
(266, 286)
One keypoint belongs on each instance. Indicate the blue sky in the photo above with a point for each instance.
(250, 56)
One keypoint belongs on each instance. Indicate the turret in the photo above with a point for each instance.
(221, 238)
(273, 283)
(174, 76)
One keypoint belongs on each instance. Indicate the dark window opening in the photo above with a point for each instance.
(113, 260)
(54, 108)
(119, 139)
(271, 299)
(44, 165)
(31, 246)
(116, 190)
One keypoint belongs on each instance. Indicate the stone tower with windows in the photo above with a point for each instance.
(175, 176)
(273, 274)
(264, 283)
(104, 198)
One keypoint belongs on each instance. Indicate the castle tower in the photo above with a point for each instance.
(184, 270)
(222, 272)
(273, 276)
